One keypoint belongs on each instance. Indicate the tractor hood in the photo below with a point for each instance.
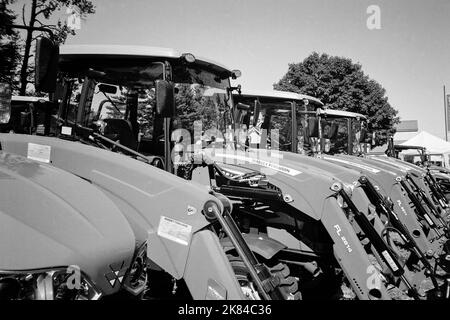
(348, 175)
(383, 177)
(161, 208)
(400, 168)
(306, 184)
(51, 218)
(403, 166)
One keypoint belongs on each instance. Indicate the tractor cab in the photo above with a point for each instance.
(342, 132)
(314, 129)
(133, 98)
(264, 112)
(422, 157)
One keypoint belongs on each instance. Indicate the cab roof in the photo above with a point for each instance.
(280, 96)
(72, 53)
(406, 147)
(342, 114)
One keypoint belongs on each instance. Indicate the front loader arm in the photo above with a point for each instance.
(365, 279)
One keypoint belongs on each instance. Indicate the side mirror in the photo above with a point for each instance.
(313, 128)
(107, 88)
(5, 102)
(46, 62)
(256, 112)
(165, 99)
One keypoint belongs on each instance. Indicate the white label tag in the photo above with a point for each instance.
(39, 152)
(174, 230)
(390, 260)
(66, 130)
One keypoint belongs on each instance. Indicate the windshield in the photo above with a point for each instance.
(276, 114)
(338, 143)
(105, 89)
(275, 123)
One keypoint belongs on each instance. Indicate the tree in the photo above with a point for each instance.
(40, 9)
(9, 51)
(342, 84)
(193, 105)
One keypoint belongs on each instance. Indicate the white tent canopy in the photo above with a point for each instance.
(434, 145)
(438, 148)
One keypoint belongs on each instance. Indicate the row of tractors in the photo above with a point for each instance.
(110, 189)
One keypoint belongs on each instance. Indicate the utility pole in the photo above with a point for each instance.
(446, 116)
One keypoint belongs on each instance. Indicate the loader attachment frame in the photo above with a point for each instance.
(406, 236)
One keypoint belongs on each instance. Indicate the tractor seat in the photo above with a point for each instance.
(121, 130)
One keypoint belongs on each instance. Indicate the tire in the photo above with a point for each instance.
(288, 284)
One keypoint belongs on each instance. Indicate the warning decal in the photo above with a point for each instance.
(174, 230)
(39, 152)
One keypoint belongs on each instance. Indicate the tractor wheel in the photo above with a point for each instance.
(288, 284)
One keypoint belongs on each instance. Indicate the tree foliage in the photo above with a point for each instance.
(40, 13)
(342, 84)
(9, 51)
(193, 105)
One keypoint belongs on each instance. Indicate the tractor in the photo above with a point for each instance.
(177, 225)
(273, 105)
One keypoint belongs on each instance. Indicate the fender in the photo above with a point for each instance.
(214, 280)
(260, 244)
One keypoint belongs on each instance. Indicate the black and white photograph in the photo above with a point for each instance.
(177, 152)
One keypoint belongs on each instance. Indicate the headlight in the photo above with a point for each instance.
(136, 279)
(47, 284)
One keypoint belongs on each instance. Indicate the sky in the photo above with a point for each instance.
(409, 55)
